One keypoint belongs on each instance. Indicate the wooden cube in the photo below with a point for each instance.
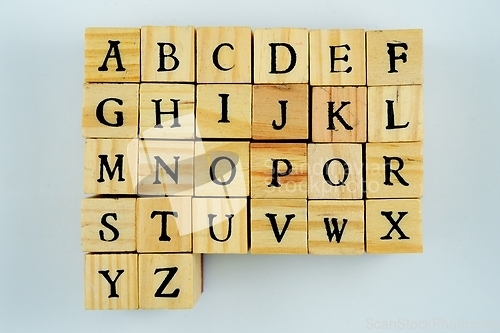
(336, 226)
(337, 57)
(394, 170)
(394, 57)
(166, 111)
(167, 54)
(224, 55)
(220, 225)
(111, 282)
(394, 226)
(222, 169)
(335, 171)
(165, 167)
(112, 54)
(281, 55)
(395, 113)
(339, 114)
(110, 166)
(169, 281)
(224, 111)
(164, 224)
(108, 224)
(280, 112)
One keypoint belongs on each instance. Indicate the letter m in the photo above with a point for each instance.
(104, 166)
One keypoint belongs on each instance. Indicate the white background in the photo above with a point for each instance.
(455, 281)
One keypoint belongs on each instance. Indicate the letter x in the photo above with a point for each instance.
(395, 225)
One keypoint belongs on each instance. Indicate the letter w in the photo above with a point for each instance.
(335, 232)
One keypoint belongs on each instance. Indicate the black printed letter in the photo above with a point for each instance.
(111, 173)
(105, 223)
(388, 170)
(276, 174)
(99, 113)
(162, 56)
(392, 55)
(344, 58)
(293, 58)
(112, 283)
(113, 47)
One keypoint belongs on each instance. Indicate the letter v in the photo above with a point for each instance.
(272, 219)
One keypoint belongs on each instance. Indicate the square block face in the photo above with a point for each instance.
(220, 225)
(111, 282)
(167, 54)
(278, 226)
(394, 170)
(112, 54)
(224, 55)
(280, 112)
(395, 113)
(165, 167)
(224, 111)
(166, 111)
(337, 57)
(394, 226)
(278, 170)
(110, 110)
(394, 57)
(339, 114)
(169, 281)
(335, 171)
(336, 227)
(222, 169)
(108, 224)
(110, 166)
(281, 55)
(164, 224)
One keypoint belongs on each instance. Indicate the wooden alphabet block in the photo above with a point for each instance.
(280, 112)
(337, 57)
(339, 114)
(164, 224)
(281, 55)
(224, 55)
(166, 111)
(395, 113)
(222, 169)
(394, 226)
(168, 54)
(220, 225)
(224, 111)
(336, 227)
(169, 281)
(394, 170)
(112, 54)
(108, 224)
(111, 282)
(278, 226)
(394, 57)
(110, 166)
(335, 171)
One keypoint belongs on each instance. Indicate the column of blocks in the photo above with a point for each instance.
(220, 140)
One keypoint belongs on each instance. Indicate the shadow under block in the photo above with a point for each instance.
(394, 57)
(281, 55)
(169, 281)
(168, 54)
(111, 282)
(222, 169)
(278, 226)
(166, 111)
(165, 167)
(339, 114)
(280, 112)
(394, 170)
(395, 113)
(335, 171)
(337, 57)
(110, 166)
(224, 111)
(336, 227)
(164, 224)
(110, 110)
(224, 55)
(220, 225)
(394, 226)
(112, 55)
(278, 170)
(108, 224)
